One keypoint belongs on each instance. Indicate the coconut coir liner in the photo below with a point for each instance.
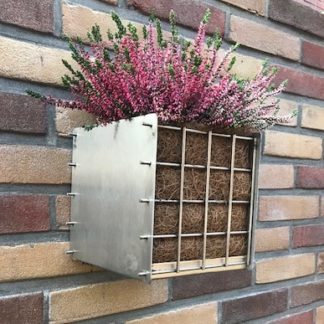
(168, 187)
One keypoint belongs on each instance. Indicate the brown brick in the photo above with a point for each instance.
(292, 13)
(28, 61)
(68, 119)
(255, 6)
(22, 309)
(320, 315)
(275, 208)
(310, 177)
(313, 117)
(313, 55)
(292, 145)
(288, 108)
(264, 38)
(63, 211)
(34, 164)
(297, 80)
(204, 313)
(320, 262)
(301, 318)
(283, 268)
(20, 113)
(307, 293)
(21, 214)
(38, 260)
(209, 283)
(255, 306)
(276, 176)
(33, 14)
(184, 11)
(271, 239)
(105, 298)
(308, 235)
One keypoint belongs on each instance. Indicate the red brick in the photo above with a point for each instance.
(189, 12)
(20, 214)
(302, 318)
(253, 307)
(32, 14)
(20, 113)
(22, 309)
(309, 235)
(292, 13)
(310, 177)
(301, 83)
(313, 54)
(307, 293)
(209, 283)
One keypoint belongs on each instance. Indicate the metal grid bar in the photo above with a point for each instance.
(190, 130)
(207, 198)
(197, 234)
(248, 257)
(197, 166)
(198, 201)
(230, 198)
(183, 160)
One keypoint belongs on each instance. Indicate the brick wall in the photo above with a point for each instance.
(39, 283)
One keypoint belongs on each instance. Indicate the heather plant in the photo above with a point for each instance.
(179, 80)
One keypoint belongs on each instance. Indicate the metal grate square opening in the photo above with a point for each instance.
(204, 201)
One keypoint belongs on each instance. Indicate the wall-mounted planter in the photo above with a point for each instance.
(152, 201)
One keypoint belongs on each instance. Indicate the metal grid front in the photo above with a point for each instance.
(205, 264)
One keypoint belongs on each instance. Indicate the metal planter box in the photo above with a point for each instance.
(152, 201)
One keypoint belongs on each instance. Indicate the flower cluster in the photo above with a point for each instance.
(182, 81)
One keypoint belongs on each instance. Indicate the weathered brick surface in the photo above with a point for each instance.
(274, 208)
(34, 164)
(38, 260)
(264, 38)
(308, 235)
(184, 10)
(105, 298)
(292, 145)
(31, 62)
(288, 108)
(77, 21)
(292, 13)
(20, 113)
(298, 79)
(300, 318)
(276, 176)
(320, 262)
(283, 268)
(313, 117)
(313, 54)
(205, 313)
(254, 307)
(63, 211)
(255, 6)
(246, 66)
(271, 239)
(307, 293)
(20, 214)
(310, 177)
(320, 315)
(208, 283)
(22, 309)
(33, 14)
(68, 119)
